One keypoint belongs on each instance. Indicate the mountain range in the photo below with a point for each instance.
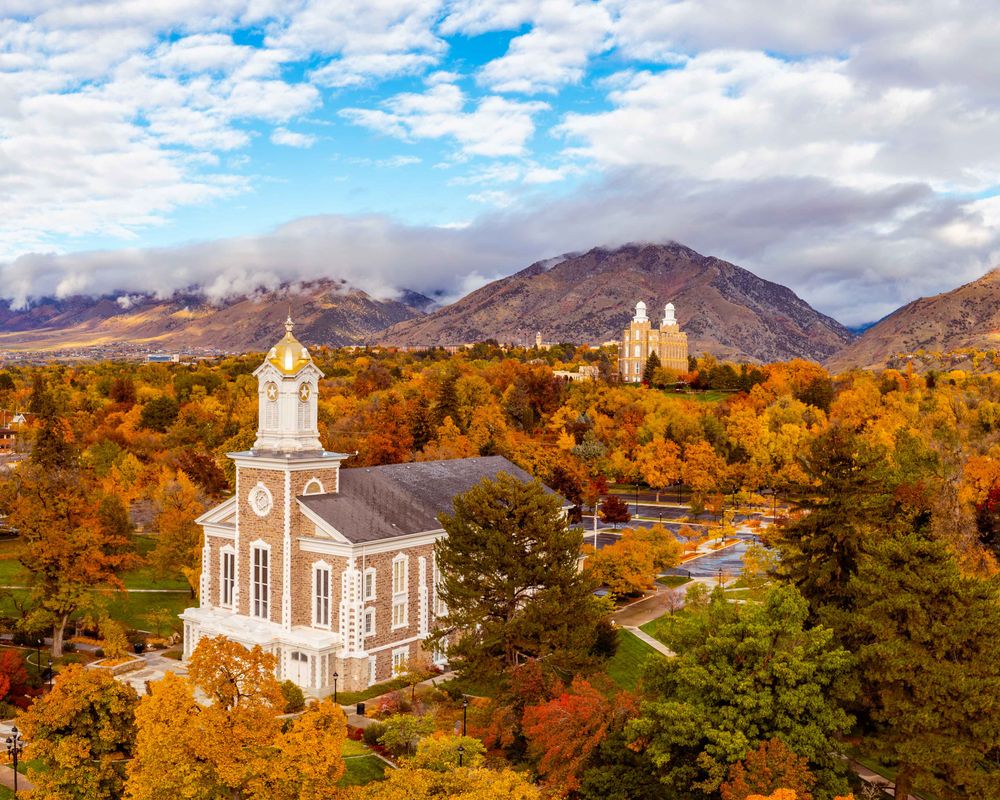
(577, 297)
(966, 317)
(327, 312)
(590, 297)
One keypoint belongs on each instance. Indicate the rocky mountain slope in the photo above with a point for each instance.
(325, 312)
(966, 317)
(590, 297)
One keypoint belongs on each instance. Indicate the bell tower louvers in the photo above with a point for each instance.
(286, 388)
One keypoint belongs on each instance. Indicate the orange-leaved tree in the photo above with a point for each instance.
(773, 765)
(66, 551)
(564, 732)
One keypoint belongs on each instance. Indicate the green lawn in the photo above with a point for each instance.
(350, 698)
(6, 794)
(361, 765)
(626, 667)
(359, 771)
(469, 686)
(673, 581)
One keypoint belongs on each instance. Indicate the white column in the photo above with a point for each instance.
(286, 558)
(422, 597)
(205, 584)
(351, 611)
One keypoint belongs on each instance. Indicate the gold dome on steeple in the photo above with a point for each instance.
(289, 355)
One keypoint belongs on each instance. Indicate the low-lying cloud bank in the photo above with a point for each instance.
(853, 254)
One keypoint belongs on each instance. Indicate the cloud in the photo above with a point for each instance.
(563, 36)
(853, 253)
(495, 126)
(288, 138)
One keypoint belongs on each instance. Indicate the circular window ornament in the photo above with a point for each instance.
(260, 500)
(304, 391)
(271, 391)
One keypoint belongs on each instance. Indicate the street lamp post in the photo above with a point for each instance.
(50, 673)
(637, 498)
(14, 747)
(335, 676)
(465, 714)
(720, 576)
(461, 752)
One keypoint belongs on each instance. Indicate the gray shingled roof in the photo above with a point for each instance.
(399, 499)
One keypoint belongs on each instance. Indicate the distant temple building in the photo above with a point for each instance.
(640, 339)
(332, 570)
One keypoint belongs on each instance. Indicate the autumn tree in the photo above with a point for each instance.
(773, 765)
(703, 470)
(626, 567)
(564, 732)
(662, 542)
(744, 674)
(233, 747)
(80, 735)
(614, 510)
(510, 582)
(440, 752)
(178, 542)
(659, 464)
(467, 783)
(65, 550)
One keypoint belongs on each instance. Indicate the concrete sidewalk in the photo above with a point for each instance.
(7, 779)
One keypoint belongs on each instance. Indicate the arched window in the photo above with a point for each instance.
(313, 487)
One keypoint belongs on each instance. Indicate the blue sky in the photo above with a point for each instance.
(846, 150)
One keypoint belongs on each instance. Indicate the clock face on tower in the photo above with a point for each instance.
(271, 391)
(304, 392)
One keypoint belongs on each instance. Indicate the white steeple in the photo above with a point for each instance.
(668, 316)
(286, 392)
(640, 312)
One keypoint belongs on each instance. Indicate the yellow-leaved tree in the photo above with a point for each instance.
(80, 736)
(461, 783)
(234, 747)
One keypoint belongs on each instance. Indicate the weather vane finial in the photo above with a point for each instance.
(288, 322)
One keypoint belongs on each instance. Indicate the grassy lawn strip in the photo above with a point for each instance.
(468, 686)
(626, 667)
(673, 581)
(6, 794)
(359, 771)
(884, 771)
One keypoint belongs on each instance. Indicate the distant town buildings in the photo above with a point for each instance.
(8, 441)
(640, 339)
(583, 373)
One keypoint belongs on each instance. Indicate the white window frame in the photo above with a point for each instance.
(321, 568)
(369, 622)
(302, 413)
(438, 605)
(369, 573)
(397, 589)
(227, 557)
(400, 657)
(404, 615)
(400, 591)
(313, 486)
(257, 603)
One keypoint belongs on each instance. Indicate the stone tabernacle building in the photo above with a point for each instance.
(330, 569)
(640, 339)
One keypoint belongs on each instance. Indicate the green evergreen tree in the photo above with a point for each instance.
(159, 413)
(510, 581)
(649, 371)
(857, 502)
(743, 675)
(927, 642)
(446, 402)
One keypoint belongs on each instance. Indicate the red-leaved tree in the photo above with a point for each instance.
(564, 732)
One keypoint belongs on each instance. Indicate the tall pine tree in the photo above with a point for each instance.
(510, 581)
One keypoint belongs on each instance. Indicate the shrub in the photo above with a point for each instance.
(403, 732)
(69, 647)
(373, 733)
(294, 699)
(99, 652)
